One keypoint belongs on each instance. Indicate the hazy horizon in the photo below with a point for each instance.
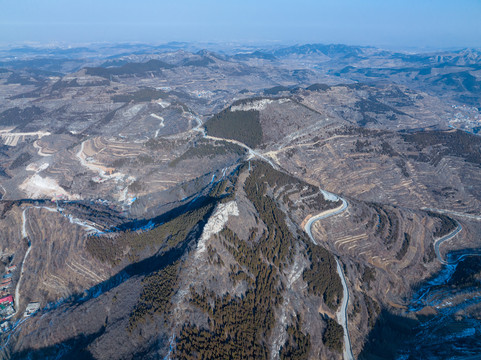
(222, 46)
(408, 24)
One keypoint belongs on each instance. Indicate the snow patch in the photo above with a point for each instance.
(257, 105)
(216, 223)
(158, 118)
(123, 194)
(329, 196)
(164, 104)
(297, 270)
(254, 105)
(36, 167)
(134, 110)
(161, 125)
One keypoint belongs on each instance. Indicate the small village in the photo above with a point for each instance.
(7, 301)
(466, 118)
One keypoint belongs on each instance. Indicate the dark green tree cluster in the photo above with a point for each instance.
(277, 244)
(388, 225)
(430, 254)
(240, 326)
(202, 62)
(401, 164)
(213, 257)
(160, 143)
(156, 295)
(445, 224)
(322, 277)
(276, 179)
(243, 126)
(265, 173)
(373, 310)
(453, 143)
(404, 247)
(21, 160)
(112, 249)
(318, 87)
(298, 344)
(224, 190)
(333, 336)
(374, 106)
(20, 117)
(61, 84)
(276, 90)
(105, 249)
(16, 78)
(142, 95)
(153, 65)
(467, 273)
(219, 188)
(368, 276)
(362, 146)
(209, 150)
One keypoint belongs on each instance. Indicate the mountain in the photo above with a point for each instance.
(311, 201)
(332, 50)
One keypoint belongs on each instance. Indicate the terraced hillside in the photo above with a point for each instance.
(206, 205)
(245, 240)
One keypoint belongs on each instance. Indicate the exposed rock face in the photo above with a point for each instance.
(216, 223)
(157, 221)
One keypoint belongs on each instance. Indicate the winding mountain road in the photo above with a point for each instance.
(342, 313)
(252, 152)
(438, 242)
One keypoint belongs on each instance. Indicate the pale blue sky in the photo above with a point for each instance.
(392, 23)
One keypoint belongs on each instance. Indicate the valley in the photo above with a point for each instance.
(319, 202)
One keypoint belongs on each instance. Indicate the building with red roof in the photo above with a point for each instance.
(8, 298)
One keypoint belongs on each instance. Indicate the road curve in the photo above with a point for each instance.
(252, 152)
(438, 242)
(342, 313)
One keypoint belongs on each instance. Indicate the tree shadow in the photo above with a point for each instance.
(73, 349)
(389, 334)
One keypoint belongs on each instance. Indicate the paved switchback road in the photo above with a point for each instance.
(342, 313)
(438, 242)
